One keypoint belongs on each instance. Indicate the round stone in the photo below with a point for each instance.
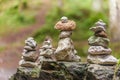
(64, 19)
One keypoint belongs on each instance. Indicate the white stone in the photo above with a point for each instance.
(64, 19)
(31, 42)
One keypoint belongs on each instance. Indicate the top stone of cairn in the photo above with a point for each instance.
(65, 25)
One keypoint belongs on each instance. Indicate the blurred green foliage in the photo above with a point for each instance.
(13, 16)
(81, 12)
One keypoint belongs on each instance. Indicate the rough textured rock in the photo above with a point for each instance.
(54, 71)
(77, 70)
(30, 56)
(70, 70)
(65, 24)
(100, 72)
(67, 71)
(98, 41)
(65, 50)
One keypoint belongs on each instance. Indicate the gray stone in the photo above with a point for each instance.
(65, 34)
(97, 50)
(99, 72)
(76, 69)
(64, 19)
(65, 50)
(102, 59)
(26, 74)
(46, 51)
(52, 70)
(99, 26)
(28, 48)
(98, 41)
(30, 42)
(27, 64)
(30, 56)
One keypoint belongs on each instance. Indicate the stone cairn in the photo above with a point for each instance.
(63, 63)
(29, 55)
(65, 50)
(99, 53)
(47, 51)
(29, 65)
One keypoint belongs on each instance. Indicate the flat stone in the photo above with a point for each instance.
(28, 64)
(102, 59)
(30, 56)
(96, 50)
(65, 34)
(29, 48)
(68, 26)
(42, 58)
(98, 41)
(46, 52)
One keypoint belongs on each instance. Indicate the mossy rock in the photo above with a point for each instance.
(98, 41)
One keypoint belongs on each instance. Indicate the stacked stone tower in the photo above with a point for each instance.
(29, 56)
(99, 52)
(65, 50)
(29, 65)
(47, 50)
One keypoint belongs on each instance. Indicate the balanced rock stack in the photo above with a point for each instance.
(99, 53)
(29, 55)
(47, 51)
(65, 50)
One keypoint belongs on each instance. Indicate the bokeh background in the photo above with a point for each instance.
(20, 19)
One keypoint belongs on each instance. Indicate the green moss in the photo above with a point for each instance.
(35, 72)
(31, 72)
